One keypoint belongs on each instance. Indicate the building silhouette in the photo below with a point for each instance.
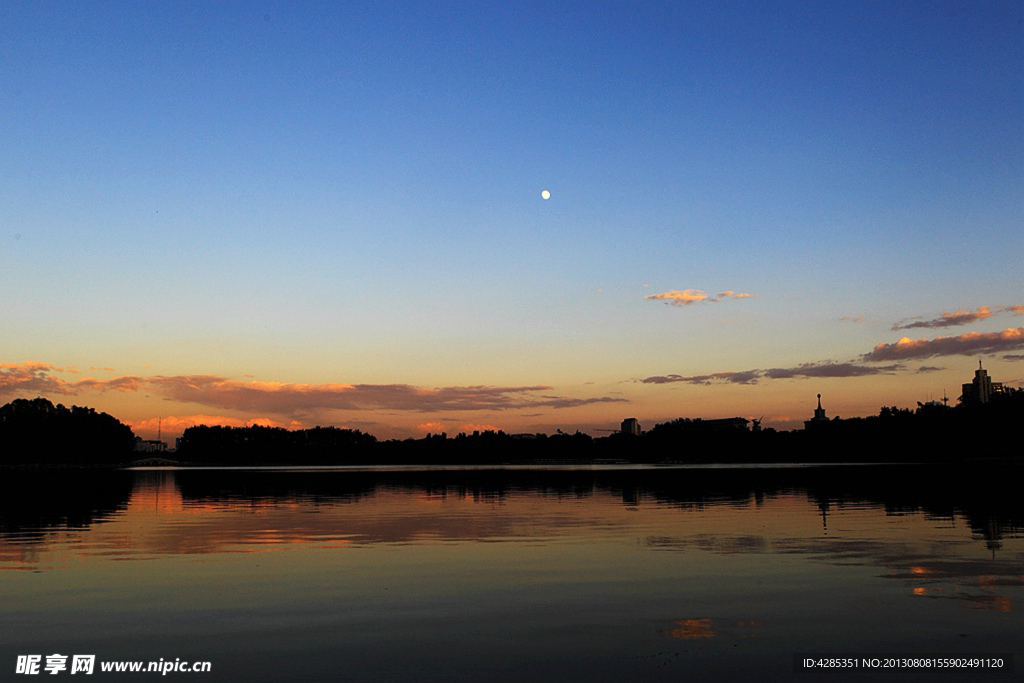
(981, 389)
(630, 426)
(819, 418)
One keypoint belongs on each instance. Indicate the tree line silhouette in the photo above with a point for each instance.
(35, 431)
(40, 433)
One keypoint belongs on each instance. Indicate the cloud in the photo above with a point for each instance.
(1013, 310)
(688, 297)
(852, 318)
(821, 369)
(745, 377)
(947, 319)
(558, 402)
(963, 345)
(278, 398)
(830, 369)
(123, 384)
(30, 378)
(870, 363)
(172, 424)
(472, 427)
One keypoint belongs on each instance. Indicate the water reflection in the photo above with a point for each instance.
(558, 566)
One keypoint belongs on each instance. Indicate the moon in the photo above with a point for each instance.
(544, 194)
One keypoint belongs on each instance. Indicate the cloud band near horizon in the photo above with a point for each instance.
(905, 349)
(289, 398)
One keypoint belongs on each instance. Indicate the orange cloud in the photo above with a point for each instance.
(691, 629)
(30, 378)
(688, 297)
(470, 427)
(176, 423)
(962, 345)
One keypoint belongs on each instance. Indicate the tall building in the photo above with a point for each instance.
(819, 418)
(631, 426)
(981, 389)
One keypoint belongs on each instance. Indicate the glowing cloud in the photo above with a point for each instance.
(30, 378)
(177, 424)
(688, 297)
(962, 345)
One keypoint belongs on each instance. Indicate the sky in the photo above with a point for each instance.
(330, 213)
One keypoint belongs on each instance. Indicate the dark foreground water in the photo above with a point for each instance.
(641, 574)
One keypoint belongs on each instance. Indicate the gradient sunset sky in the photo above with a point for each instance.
(331, 213)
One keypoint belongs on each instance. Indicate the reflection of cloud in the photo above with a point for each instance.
(947, 319)
(688, 297)
(691, 629)
(725, 545)
(999, 603)
(962, 345)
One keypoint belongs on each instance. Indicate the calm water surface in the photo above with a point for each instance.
(557, 574)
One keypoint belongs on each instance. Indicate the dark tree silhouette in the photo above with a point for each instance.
(37, 432)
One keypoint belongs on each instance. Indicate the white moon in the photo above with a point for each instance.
(544, 194)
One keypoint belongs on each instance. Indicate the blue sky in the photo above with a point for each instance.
(341, 193)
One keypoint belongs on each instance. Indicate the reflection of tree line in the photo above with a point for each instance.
(33, 502)
(986, 498)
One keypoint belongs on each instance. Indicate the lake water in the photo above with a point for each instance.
(553, 574)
